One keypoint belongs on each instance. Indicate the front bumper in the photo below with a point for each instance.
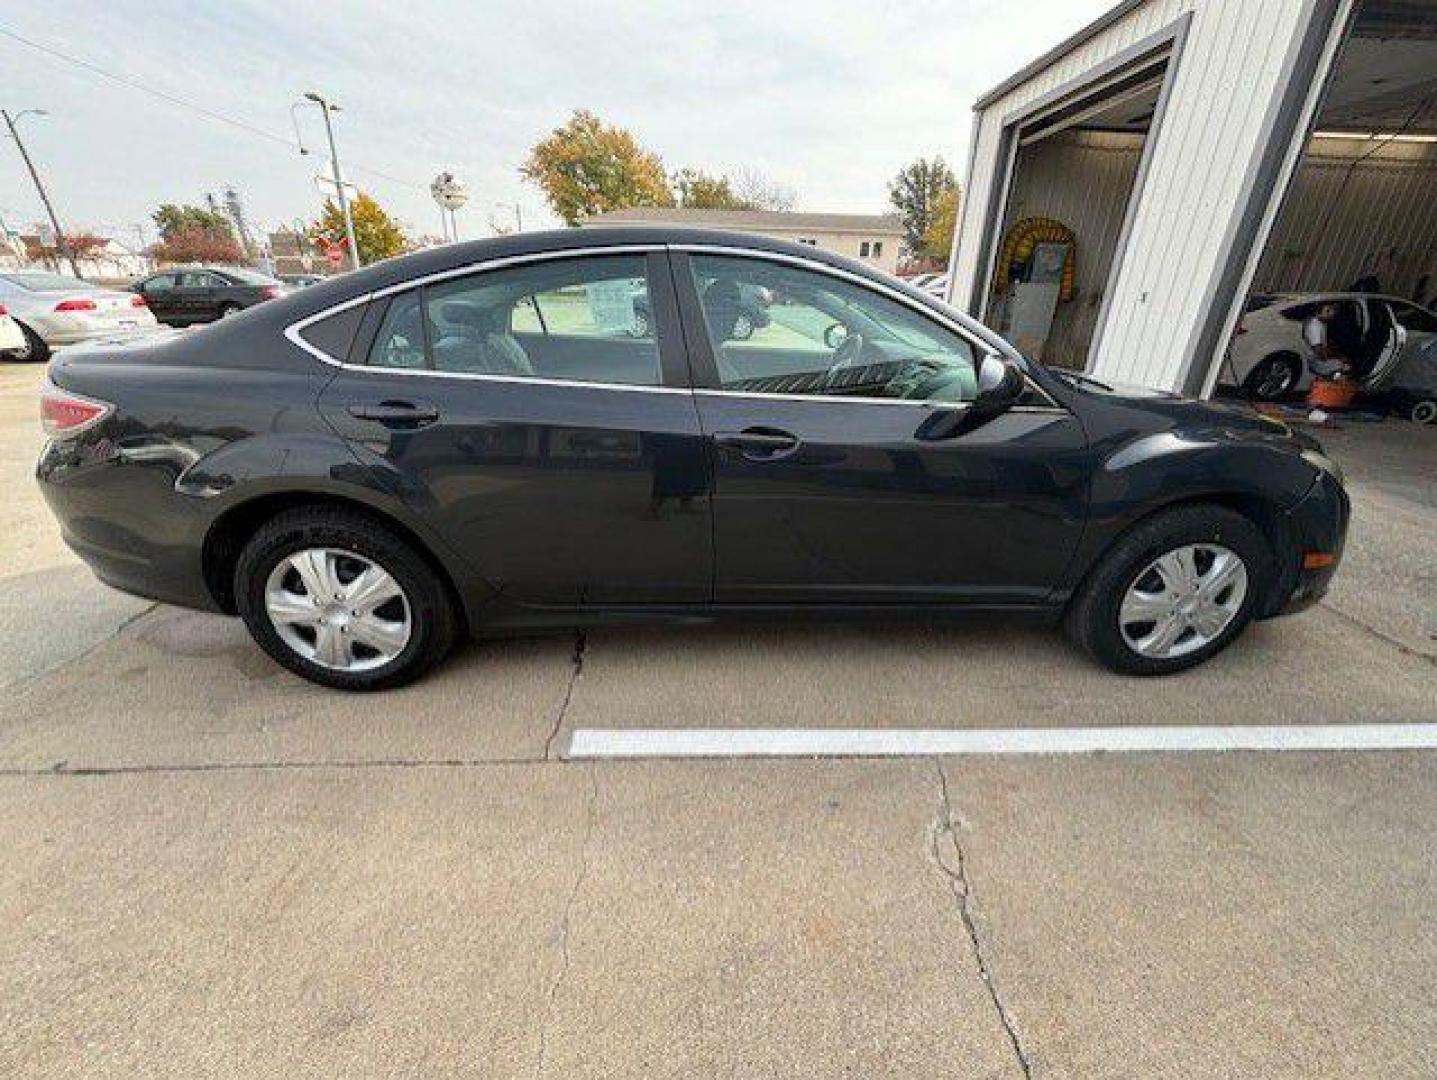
(1317, 524)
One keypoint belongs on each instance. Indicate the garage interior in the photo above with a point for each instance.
(1359, 220)
(1072, 179)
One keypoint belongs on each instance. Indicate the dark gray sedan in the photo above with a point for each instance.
(201, 294)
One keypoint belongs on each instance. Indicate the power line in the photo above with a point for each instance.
(172, 99)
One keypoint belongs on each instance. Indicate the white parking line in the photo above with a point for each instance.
(925, 742)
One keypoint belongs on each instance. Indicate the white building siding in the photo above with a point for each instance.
(1328, 234)
(1200, 165)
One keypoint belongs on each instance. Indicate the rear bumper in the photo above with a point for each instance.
(1317, 524)
(127, 523)
(69, 329)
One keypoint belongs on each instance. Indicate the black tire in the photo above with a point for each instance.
(1274, 377)
(1424, 411)
(435, 623)
(1092, 616)
(227, 310)
(743, 326)
(35, 350)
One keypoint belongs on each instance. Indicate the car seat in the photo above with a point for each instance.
(476, 340)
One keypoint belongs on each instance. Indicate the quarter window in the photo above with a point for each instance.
(400, 340)
(775, 328)
(1415, 319)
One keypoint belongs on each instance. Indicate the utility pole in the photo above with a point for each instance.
(327, 108)
(60, 240)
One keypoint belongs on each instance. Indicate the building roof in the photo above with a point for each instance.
(743, 220)
(1057, 52)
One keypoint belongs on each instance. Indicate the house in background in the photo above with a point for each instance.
(870, 238)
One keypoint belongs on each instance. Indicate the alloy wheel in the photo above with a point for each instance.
(1182, 601)
(337, 609)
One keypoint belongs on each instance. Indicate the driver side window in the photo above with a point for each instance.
(779, 329)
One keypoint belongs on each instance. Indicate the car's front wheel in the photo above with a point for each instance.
(342, 600)
(1172, 592)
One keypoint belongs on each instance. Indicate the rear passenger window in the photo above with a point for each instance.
(584, 319)
(399, 342)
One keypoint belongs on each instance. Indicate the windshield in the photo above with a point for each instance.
(39, 281)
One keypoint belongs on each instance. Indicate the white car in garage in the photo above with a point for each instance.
(54, 310)
(1269, 357)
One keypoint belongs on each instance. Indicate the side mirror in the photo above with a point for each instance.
(1000, 385)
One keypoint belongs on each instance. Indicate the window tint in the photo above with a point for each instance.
(583, 319)
(1415, 319)
(779, 329)
(399, 343)
(159, 284)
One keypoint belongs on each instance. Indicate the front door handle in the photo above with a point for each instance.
(396, 414)
(759, 443)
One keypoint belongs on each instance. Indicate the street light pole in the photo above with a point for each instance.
(60, 240)
(326, 108)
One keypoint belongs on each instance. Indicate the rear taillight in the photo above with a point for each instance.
(3, 311)
(269, 292)
(138, 301)
(63, 414)
(76, 305)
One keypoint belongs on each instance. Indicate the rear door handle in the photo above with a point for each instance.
(396, 414)
(759, 443)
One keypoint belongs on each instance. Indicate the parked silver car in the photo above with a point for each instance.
(12, 338)
(55, 309)
(1269, 358)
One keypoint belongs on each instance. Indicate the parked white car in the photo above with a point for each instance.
(12, 338)
(1269, 358)
(55, 309)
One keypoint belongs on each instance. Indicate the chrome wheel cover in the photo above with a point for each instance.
(337, 609)
(1182, 601)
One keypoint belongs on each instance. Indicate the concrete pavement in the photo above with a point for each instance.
(214, 869)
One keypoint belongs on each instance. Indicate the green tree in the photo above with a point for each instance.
(194, 234)
(698, 190)
(376, 233)
(938, 237)
(587, 166)
(174, 218)
(915, 193)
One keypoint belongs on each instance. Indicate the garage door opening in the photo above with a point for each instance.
(1347, 281)
(1074, 168)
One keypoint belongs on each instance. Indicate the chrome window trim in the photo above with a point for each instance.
(981, 347)
(293, 331)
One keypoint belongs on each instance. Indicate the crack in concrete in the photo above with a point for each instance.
(556, 984)
(1380, 635)
(957, 876)
(25, 681)
(580, 644)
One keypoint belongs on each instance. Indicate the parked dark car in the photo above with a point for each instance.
(201, 294)
(301, 281)
(750, 304)
(469, 440)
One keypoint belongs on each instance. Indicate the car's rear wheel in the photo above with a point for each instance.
(1172, 592)
(1424, 412)
(35, 350)
(342, 600)
(226, 310)
(1274, 377)
(743, 326)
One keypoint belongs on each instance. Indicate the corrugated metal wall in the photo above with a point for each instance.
(1201, 162)
(1350, 214)
(1083, 180)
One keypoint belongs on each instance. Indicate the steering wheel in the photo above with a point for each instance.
(846, 355)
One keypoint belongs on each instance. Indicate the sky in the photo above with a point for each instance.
(830, 99)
